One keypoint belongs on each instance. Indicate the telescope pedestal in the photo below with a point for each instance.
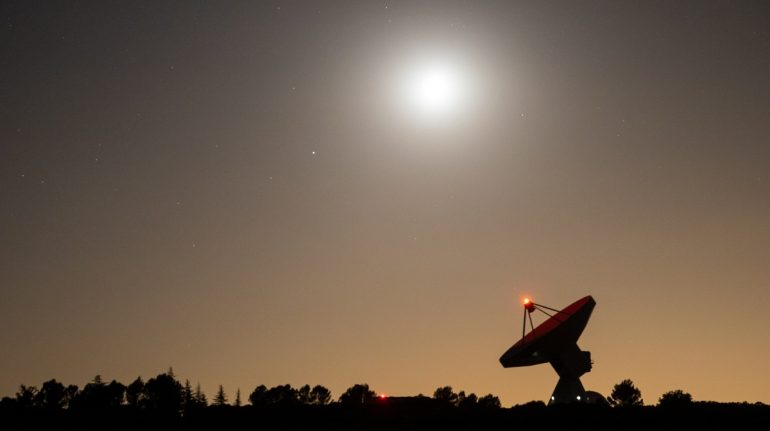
(570, 364)
(568, 390)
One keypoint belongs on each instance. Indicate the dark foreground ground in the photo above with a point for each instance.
(401, 414)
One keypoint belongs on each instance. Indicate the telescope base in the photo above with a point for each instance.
(568, 390)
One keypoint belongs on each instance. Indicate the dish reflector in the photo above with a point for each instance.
(555, 341)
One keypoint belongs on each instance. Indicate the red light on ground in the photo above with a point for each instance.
(383, 396)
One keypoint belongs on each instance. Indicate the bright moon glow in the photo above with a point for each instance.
(434, 89)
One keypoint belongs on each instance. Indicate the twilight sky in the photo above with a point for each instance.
(349, 191)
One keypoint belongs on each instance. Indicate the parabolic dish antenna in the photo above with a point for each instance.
(555, 341)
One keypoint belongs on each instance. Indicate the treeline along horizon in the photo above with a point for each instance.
(165, 392)
(163, 402)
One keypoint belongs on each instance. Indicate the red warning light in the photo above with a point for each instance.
(529, 305)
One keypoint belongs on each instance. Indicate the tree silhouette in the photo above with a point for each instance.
(446, 394)
(115, 393)
(52, 395)
(357, 394)
(676, 398)
(320, 395)
(625, 394)
(135, 393)
(467, 400)
(489, 401)
(303, 394)
(25, 397)
(259, 396)
(164, 393)
(98, 395)
(200, 397)
(91, 396)
(220, 399)
(238, 397)
(281, 394)
(188, 400)
(70, 393)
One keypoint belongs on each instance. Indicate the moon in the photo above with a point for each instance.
(435, 90)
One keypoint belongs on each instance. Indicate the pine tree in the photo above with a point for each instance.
(188, 398)
(200, 397)
(238, 398)
(220, 399)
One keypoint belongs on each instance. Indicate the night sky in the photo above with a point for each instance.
(343, 192)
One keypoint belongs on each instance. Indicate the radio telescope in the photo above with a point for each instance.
(555, 341)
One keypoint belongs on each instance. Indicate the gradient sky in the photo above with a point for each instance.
(246, 192)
